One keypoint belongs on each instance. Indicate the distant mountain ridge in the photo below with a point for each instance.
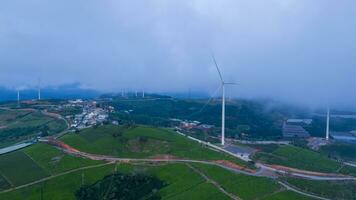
(68, 91)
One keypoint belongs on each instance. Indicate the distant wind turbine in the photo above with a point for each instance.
(223, 83)
(39, 89)
(327, 123)
(18, 97)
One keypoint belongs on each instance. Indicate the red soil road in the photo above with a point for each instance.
(60, 144)
(232, 165)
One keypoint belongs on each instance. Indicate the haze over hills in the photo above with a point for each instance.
(287, 50)
(177, 100)
(68, 91)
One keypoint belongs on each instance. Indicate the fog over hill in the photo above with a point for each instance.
(298, 51)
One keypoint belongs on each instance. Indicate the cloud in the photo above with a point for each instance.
(295, 50)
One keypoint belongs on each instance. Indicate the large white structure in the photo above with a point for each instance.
(39, 93)
(18, 97)
(223, 83)
(327, 123)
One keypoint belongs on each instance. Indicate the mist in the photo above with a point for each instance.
(298, 51)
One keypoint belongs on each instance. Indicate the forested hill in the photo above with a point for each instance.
(255, 118)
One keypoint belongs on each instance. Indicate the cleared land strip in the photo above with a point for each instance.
(55, 176)
(217, 185)
(301, 192)
(263, 168)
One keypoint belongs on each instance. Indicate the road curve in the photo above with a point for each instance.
(263, 170)
(301, 192)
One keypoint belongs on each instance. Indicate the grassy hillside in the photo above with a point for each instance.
(141, 142)
(300, 158)
(338, 190)
(180, 183)
(54, 161)
(18, 125)
(286, 195)
(59, 188)
(340, 151)
(18, 168)
(246, 187)
(36, 162)
(251, 117)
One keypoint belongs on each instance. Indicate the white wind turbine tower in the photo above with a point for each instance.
(39, 89)
(223, 83)
(327, 123)
(18, 97)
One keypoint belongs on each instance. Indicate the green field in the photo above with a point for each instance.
(246, 187)
(296, 157)
(54, 161)
(19, 125)
(341, 190)
(140, 142)
(181, 183)
(286, 195)
(342, 151)
(18, 168)
(4, 184)
(36, 162)
(60, 188)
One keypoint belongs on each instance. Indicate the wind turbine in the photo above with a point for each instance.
(223, 83)
(39, 90)
(18, 97)
(327, 123)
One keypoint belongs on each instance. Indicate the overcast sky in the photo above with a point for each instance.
(297, 50)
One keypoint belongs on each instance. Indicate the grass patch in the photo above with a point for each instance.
(4, 184)
(202, 191)
(342, 151)
(243, 186)
(19, 125)
(181, 183)
(286, 195)
(60, 188)
(54, 161)
(179, 178)
(19, 169)
(346, 169)
(341, 190)
(141, 142)
(296, 157)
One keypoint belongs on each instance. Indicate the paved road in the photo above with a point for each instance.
(169, 160)
(272, 172)
(352, 164)
(263, 170)
(307, 174)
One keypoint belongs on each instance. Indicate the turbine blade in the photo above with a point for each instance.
(231, 83)
(217, 68)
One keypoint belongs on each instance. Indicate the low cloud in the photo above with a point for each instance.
(300, 51)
